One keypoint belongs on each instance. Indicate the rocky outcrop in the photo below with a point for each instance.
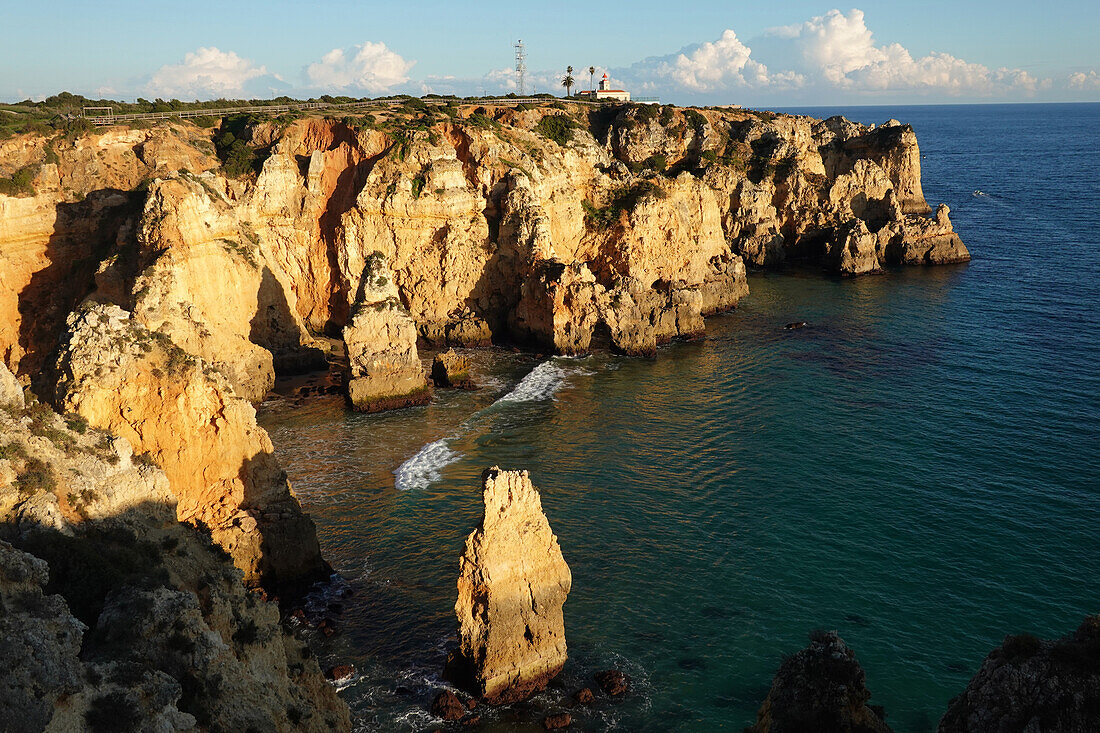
(1029, 684)
(183, 415)
(452, 369)
(512, 584)
(114, 616)
(11, 392)
(384, 370)
(821, 688)
(39, 644)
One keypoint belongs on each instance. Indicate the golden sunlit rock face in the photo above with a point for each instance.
(156, 290)
(183, 415)
(512, 584)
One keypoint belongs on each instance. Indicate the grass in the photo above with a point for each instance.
(513, 164)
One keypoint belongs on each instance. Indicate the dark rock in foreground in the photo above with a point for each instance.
(1030, 684)
(821, 688)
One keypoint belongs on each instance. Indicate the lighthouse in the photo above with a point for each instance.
(604, 91)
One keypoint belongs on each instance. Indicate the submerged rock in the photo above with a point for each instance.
(613, 682)
(512, 584)
(1030, 684)
(821, 688)
(384, 371)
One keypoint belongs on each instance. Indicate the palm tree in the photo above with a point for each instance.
(592, 77)
(568, 81)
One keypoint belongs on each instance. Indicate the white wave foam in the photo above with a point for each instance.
(541, 383)
(426, 466)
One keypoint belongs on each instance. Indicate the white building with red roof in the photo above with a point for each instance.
(606, 92)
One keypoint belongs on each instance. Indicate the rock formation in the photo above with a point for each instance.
(11, 392)
(384, 370)
(183, 415)
(636, 226)
(512, 584)
(821, 688)
(1032, 684)
(451, 369)
(114, 616)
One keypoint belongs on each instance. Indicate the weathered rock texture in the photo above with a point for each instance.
(1029, 684)
(512, 584)
(821, 688)
(183, 414)
(384, 370)
(452, 369)
(11, 392)
(114, 616)
(628, 232)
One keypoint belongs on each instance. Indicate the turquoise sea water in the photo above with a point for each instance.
(918, 469)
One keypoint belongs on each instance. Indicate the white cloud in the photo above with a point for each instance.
(838, 50)
(207, 72)
(826, 54)
(370, 67)
(721, 64)
(1081, 80)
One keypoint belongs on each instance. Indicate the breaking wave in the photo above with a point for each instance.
(541, 383)
(426, 466)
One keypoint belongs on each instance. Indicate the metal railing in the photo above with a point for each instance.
(111, 118)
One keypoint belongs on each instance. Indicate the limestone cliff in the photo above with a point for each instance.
(114, 616)
(183, 414)
(630, 221)
(512, 584)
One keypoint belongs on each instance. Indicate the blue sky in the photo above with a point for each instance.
(698, 52)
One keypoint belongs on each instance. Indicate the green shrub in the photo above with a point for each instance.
(482, 121)
(35, 477)
(657, 162)
(625, 199)
(696, 120)
(558, 128)
(418, 186)
(20, 183)
(246, 633)
(76, 423)
(239, 158)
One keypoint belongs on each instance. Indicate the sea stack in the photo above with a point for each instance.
(452, 369)
(384, 370)
(820, 688)
(512, 584)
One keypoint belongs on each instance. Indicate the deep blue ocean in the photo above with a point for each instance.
(918, 469)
